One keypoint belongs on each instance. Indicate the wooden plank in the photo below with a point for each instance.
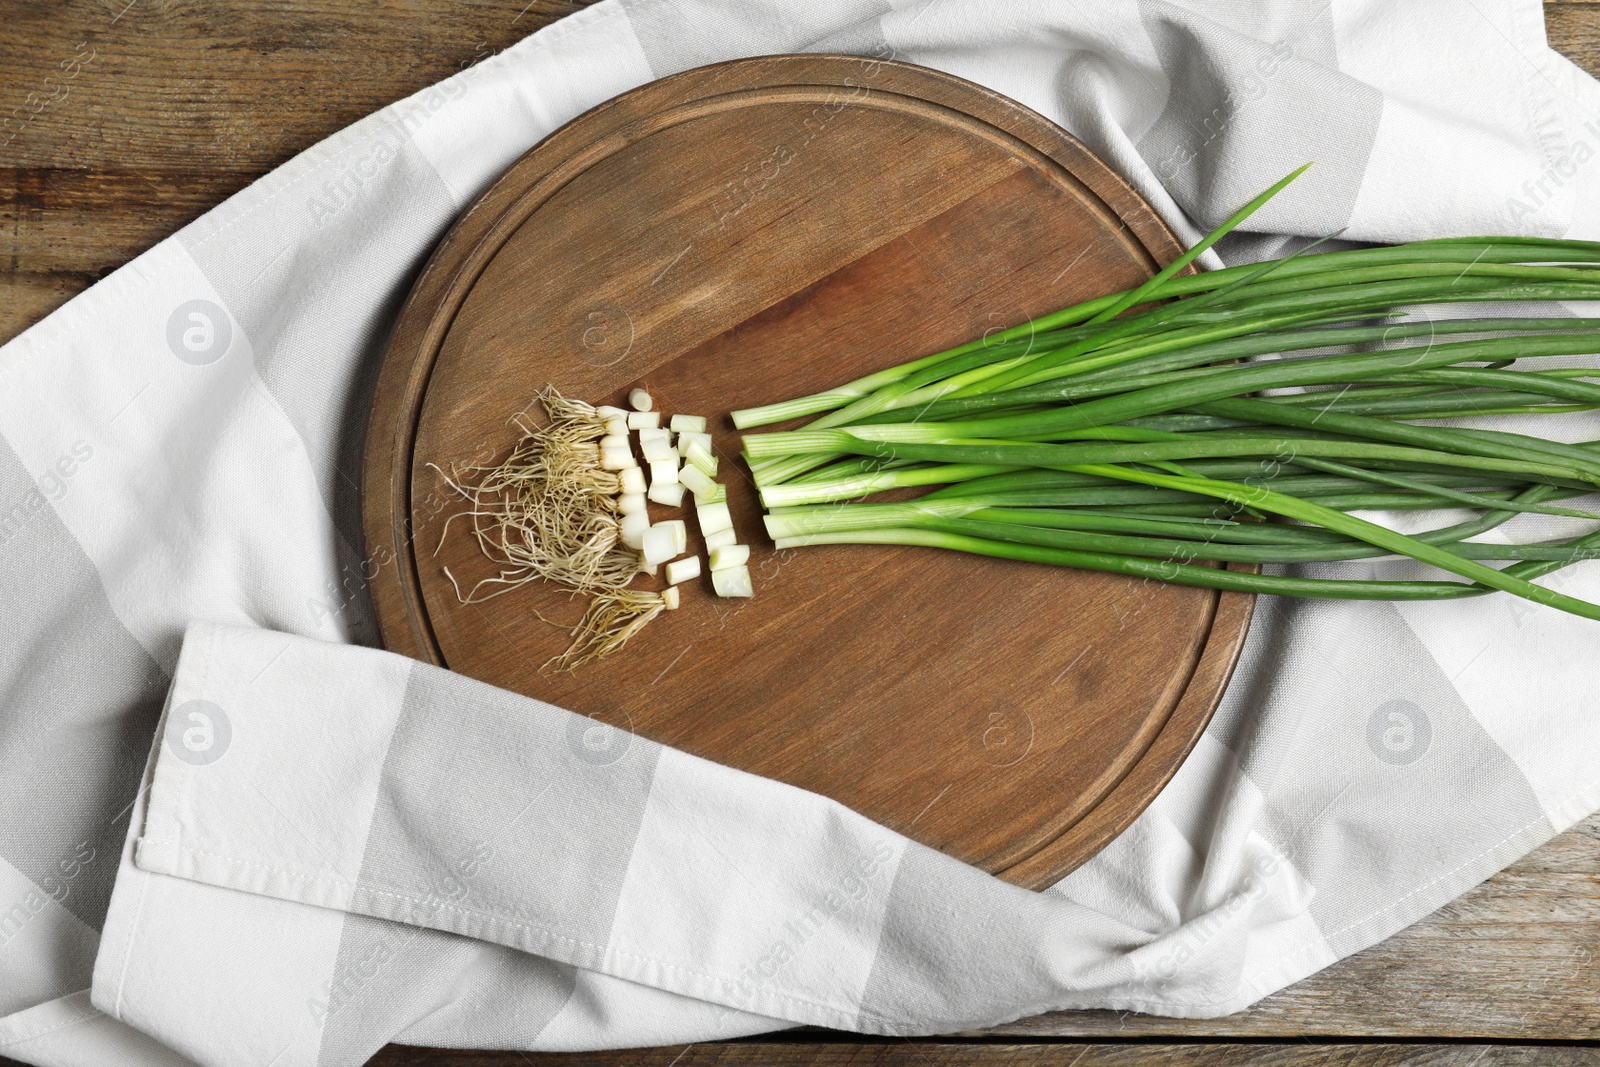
(26, 298)
(232, 85)
(240, 86)
(162, 113)
(57, 220)
(1070, 1054)
(120, 122)
(1573, 29)
(861, 1053)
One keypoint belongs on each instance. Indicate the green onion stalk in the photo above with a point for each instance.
(1199, 426)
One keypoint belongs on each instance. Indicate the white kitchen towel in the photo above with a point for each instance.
(179, 448)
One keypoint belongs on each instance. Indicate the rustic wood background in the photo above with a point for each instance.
(175, 104)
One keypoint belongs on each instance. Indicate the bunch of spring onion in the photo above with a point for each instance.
(571, 503)
(1148, 432)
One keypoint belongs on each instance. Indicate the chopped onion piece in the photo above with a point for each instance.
(659, 543)
(652, 569)
(633, 529)
(680, 533)
(648, 432)
(631, 503)
(669, 494)
(644, 420)
(695, 480)
(714, 517)
(633, 480)
(715, 495)
(639, 400)
(616, 459)
(701, 457)
(683, 570)
(692, 423)
(669, 597)
(613, 440)
(720, 539)
(689, 437)
(729, 556)
(607, 412)
(656, 449)
(663, 472)
(732, 581)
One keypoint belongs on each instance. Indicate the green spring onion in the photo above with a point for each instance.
(1143, 432)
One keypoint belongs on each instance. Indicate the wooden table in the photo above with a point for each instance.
(176, 105)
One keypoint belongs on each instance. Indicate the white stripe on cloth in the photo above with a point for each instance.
(195, 501)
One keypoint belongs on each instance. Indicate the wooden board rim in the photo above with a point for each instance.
(471, 245)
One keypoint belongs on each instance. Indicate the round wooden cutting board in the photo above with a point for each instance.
(749, 232)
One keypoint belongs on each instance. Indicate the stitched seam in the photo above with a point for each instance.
(90, 1017)
(128, 950)
(135, 923)
(517, 924)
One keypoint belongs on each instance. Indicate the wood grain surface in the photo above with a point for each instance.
(187, 101)
(901, 211)
(1065, 1054)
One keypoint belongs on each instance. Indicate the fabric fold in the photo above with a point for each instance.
(325, 779)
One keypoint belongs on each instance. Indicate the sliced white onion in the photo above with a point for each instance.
(680, 533)
(663, 472)
(701, 457)
(670, 495)
(689, 437)
(696, 481)
(720, 539)
(692, 423)
(616, 440)
(732, 581)
(618, 426)
(659, 544)
(610, 411)
(616, 459)
(656, 449)
(669, 597)
(714, 517)
(715, 495)
(631, 503)
(633, 529)
(633, 480)
(639, 400)
(644, 420)
(729, 556)
(683, 570)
